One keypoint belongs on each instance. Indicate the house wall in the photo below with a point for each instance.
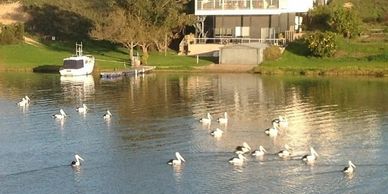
(225, 24)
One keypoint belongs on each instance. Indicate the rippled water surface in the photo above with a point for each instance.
(158, 114)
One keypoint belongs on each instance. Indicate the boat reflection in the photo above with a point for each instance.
(78, 86)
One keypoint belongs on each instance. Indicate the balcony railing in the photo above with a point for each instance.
(236, 4)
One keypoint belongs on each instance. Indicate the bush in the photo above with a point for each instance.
(272, 53)
(346, 22)
(11, 34)
(318, 18)
(321, 44)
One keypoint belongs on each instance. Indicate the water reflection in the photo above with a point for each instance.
(79, 87)
(159, 114)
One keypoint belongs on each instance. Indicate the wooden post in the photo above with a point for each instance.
(197, 59)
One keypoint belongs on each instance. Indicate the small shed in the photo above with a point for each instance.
(241, 54)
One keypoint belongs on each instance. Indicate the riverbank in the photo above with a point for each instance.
(353, 58)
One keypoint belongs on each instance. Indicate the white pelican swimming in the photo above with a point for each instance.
(217, 133)
(349, 169)
(24, 102)
(282, 121)
(207, 119)
(239, 160)
(286, 152)
(223, 120)
(312, 157)
(178, 161)
(260, 152)
(77, 161)
(82, 109)
(273, 131)
(27, 98)
(62, 115)
(245, 148)
(107, 115)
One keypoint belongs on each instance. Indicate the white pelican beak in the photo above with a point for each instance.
(313, 152)
(351, 164)
(246, 145)
(79, 157)
(62, 112)
(179, 157)
(262, 148)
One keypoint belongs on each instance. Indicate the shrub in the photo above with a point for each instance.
(272, 53)
(345, 21)
(321, 44)
(318, 18)
(11, 34)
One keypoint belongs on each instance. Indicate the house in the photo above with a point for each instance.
(231, 20)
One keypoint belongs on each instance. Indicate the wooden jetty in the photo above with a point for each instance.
(134, 71)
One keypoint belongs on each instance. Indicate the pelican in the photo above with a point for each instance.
(62, 115)
(273, 131)
(312, 157)
(178, 161)
(206, 120)
(282, 121)
(260, 152)
(349, 169)
(77, 161)
(286, 152)
(107, 115)
(27, 98)
(23, 102)
(239, 160)
(243, 149)
(82, 109)
(217, 133)
(223, 120)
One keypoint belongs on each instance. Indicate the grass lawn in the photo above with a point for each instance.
(25, 57)
(352, 57)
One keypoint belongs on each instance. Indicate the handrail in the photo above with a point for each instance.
(232, 40)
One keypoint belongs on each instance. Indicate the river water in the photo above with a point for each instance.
(158, 114)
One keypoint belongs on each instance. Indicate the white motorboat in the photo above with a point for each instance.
(78, 64)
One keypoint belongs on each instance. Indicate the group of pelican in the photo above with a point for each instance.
(208, 119)
(240, 150)
(222, 120)
(82, 109)
(61, 115)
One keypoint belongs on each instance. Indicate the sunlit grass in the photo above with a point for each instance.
(353, 57)
(108, 57)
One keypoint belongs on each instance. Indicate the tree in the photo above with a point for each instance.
(345, 21)
(144, 23)
(118, 26)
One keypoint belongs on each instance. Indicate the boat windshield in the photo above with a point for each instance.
(73, 64)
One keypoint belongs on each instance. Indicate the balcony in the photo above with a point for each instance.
(218, 5)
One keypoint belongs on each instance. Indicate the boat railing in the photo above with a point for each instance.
(78, 49)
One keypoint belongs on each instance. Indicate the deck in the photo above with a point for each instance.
(134, 71)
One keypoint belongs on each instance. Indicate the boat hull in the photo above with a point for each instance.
(86, 69)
